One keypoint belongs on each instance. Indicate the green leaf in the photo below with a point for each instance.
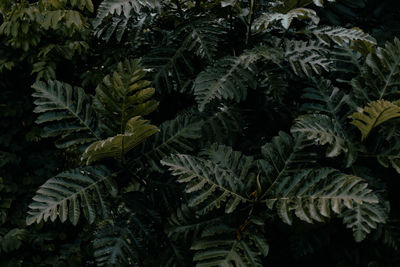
(64, 195)
(374, 114)
(137, 130)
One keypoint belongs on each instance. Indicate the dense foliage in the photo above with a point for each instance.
(199, 133)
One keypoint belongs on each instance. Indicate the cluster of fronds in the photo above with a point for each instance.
(201, 132)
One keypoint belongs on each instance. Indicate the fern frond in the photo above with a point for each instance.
(364, 218)
(307, 57)
(137, 130)
(389, 234)
(66, 111)
(121, 7)
(183, 224)
(221, 125)
(284, 157)
(313, 194)
(320, 3)
(202, 37)
(380, 78)
(266, 19)
(327, 99)
(390, 158)
(347, 63)
(219, 246)
(330, 107)
(243, 166)
(123, 96)
(172, 68)
(339, 35)
(134, 24)
(118, 25)
(115, 246)
(228, 78)
(67, 193)
(175, 255)
(212, 184)
(175, 136)
(321, 128)
(374, 114)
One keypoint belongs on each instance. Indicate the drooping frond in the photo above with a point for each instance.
(380, 78)
(124, 95)
(266, 19)
(219, 246)
(339, 35)
(321, 128)
(175, 136)
(137, 130)
(66, 112)
(228, 79)
(115, 246)
(364, 218)
(314, 194)
(69, 192)
(374, 114)
(211, 184)
(307, 57)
